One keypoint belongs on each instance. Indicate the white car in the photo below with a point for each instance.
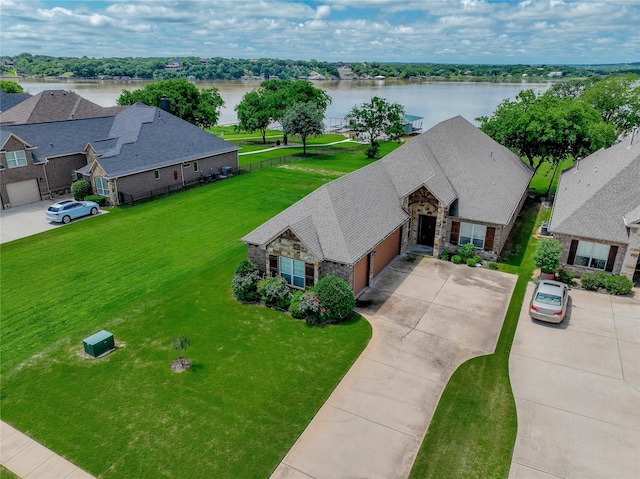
(67, 210)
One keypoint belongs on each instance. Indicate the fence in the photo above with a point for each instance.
(132, 199)
(283, 160)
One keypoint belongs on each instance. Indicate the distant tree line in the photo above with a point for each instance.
(264, 68)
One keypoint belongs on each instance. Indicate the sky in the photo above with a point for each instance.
(433, 31)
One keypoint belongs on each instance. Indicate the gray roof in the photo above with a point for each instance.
(344, 219)
(599, 197)
(58, 138)
(9, 100)
(150, 138)
(137, 139)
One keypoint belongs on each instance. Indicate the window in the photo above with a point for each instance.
(16, 159)
(186, 165)
(102, 186)
(470, 233)
(195, 166)
(293, 271)
(156, 173)
(591, 255)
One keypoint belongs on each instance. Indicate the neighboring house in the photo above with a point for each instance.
(449, 186)
(54, 105)
(150, 149)
(9, 100)
(140, 149)
(596, 212)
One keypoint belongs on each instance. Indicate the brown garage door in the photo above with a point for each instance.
(386, 251)
(361, 274)
(23, 192)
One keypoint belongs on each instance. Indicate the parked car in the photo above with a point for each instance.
(549, 301)
(67, 210)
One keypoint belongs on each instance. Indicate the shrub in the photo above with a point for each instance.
(245, 282)
(547, 255)
(305, 305)
(80, 189)
(101, 200)
(372, 150)
(618, 284)
(478, 259)
(444, 255)
(456, 259)
(472, 262)
(466, 251)
(593, 281)
(275, 291)
(492, 265)
(565, 276)
(336, 298)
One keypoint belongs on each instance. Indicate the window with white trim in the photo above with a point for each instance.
(292, 270)
(471, 233)
(156, 174)
(592, 255)
(16, 158)
(102, 186)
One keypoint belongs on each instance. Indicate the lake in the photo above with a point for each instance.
(435, 101)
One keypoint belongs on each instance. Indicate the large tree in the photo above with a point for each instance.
(617, 98)
(303, 119)
(253, 113)
(377, 118)
(200, 107)
(280, 95)
(545, 127)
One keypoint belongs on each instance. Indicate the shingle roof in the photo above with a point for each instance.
(346, 218)
(9, 100)
(149, 138)
(55, 105)
(595, 197)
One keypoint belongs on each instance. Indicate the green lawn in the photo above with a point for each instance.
(147, 274)
(540, 182)
(473, 431)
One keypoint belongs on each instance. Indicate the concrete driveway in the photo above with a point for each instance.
(27, 220)
(577, 390)
(428, 317)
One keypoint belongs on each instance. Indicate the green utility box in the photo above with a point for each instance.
(98, 343)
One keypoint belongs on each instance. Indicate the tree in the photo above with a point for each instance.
(180, 344)
(545, 127)
(377, 118)
(547, 255)
(200, 107)
(253, 113)
(10, 87)
(303, 119)
(280, 95)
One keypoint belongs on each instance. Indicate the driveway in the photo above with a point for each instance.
(577, 390)
(428, 317)
(27, 220)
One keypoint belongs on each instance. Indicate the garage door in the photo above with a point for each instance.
(386, 251)
(23, 192)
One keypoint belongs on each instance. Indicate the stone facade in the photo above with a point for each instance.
(22, 173)
(631, 261)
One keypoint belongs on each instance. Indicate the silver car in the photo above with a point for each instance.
(67, 210)
(549, 301)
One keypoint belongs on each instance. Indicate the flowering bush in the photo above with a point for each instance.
(275, 291)
(245, 282)
(306, 305)
(336, 297)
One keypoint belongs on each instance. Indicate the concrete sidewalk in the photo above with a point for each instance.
(29, 459)
(428, 317)
(577, 390)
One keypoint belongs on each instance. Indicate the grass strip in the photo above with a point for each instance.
(473, 430)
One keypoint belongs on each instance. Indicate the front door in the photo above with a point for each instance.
(427, 230)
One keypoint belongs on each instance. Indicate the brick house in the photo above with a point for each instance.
(139, 149)
(596, 212)
(446, 187)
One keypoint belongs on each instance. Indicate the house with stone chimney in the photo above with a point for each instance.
(596, 212)
(449, 186)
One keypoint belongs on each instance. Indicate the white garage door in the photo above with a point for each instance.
(23, 192)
